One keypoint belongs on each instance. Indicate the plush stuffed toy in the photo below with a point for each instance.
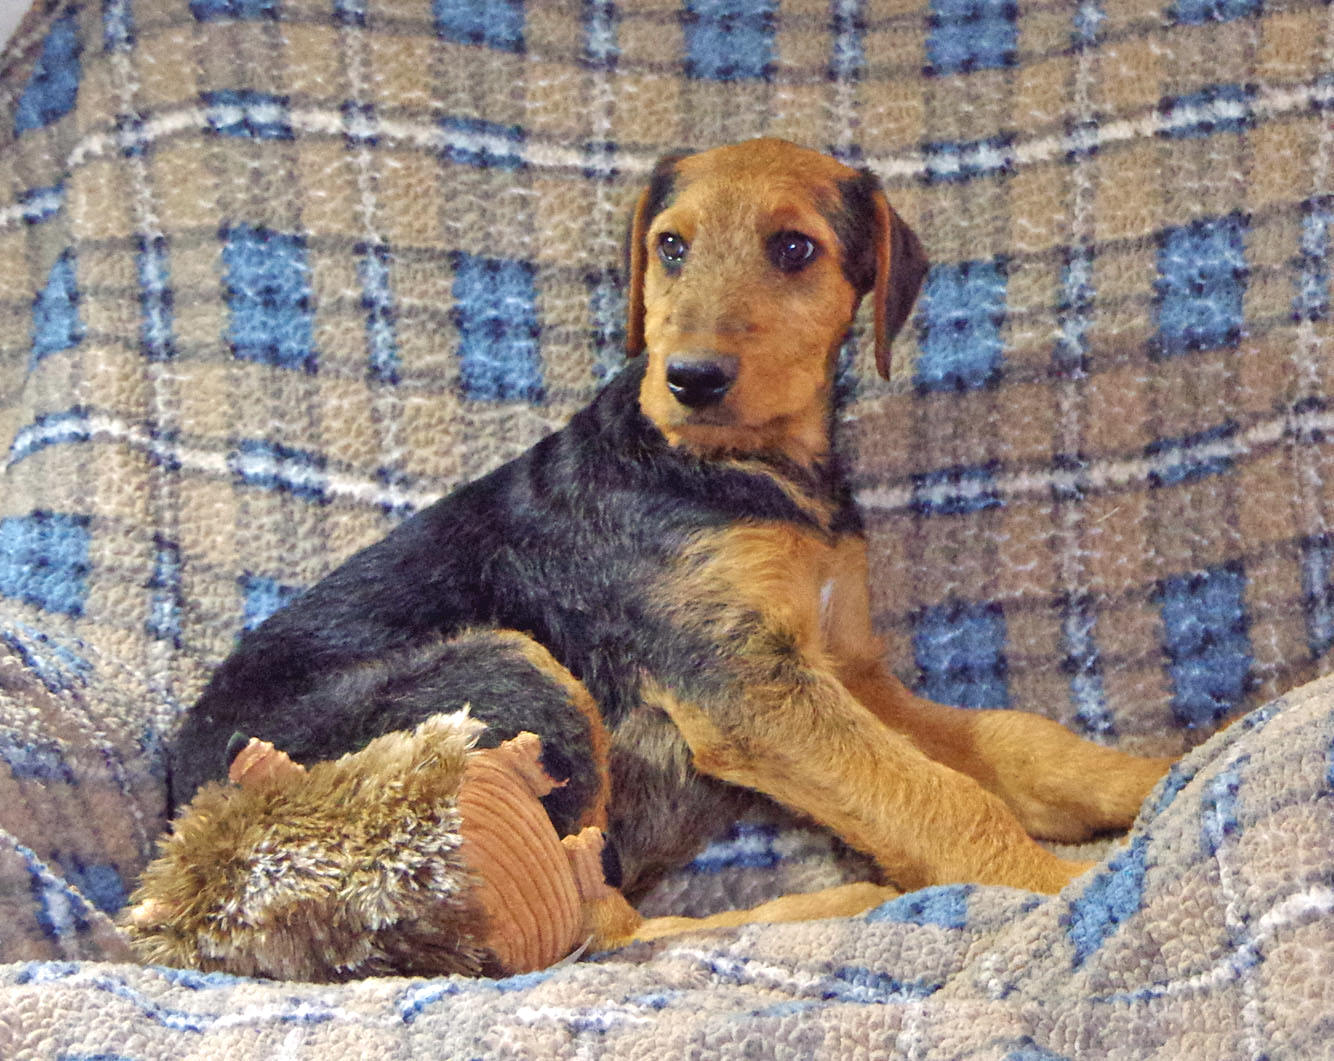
(418, 855)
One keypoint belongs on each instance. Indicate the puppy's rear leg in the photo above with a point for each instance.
(843, 900)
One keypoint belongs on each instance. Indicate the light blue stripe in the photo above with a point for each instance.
(1111, 898)
(848, 57)
(155, 298)
(1218, 807)
(117, 26)
(1077, 297)
(1088, 22)
(381, 334)
(1086, 685)
(601, 44)
(1312, 300)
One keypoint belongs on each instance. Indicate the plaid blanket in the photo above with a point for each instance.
(276, 273)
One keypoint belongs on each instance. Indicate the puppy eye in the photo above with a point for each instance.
(672, 248)
(791, 251)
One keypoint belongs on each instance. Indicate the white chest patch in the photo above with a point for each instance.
(826, 603)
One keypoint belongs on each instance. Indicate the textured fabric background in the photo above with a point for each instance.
(274, 273)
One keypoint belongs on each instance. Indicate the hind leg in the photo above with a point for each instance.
(514, 685)
(843, 900)
(504, 678)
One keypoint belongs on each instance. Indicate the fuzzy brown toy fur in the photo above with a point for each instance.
(418, 855)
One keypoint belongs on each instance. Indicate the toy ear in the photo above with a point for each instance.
(651, 200)
(900, 266)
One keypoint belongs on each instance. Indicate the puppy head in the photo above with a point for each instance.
(747, 264)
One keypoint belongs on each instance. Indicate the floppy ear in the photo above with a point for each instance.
(636, 257)
(652, 199)
(900, 266)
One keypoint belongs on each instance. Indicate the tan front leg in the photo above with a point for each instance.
(810, 745)
(1060, 786)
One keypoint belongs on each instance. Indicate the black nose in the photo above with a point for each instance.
(697, 382)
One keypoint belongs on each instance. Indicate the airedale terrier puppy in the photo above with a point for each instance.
(671, 590)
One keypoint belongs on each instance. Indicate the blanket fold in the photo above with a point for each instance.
(1205, 935)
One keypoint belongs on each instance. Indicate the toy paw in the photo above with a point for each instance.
(418, 855)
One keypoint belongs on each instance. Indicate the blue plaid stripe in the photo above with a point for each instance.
(968, 35)
(51, 429)
(1088, 21)
(956, 491)
(729, 40)
(377, 301)
(34, 760)
(495, 310)
(44, 560)
(156, 300)
(950, 161)
(1082, 662)
(361, 124)
(1312, 300)
(131, 135)
(1217, 109)
(946, 906)
(847, 57)
(56, 324)
(97, 881)
(1318, 592)
(54, 84)
(1207, 642)
(41, 204)
(1075, 311)
(1110, 899)
(494, 23)
(166, 599)
(601, 48)
(959, 647)
(746, 845)
(59, 665)
(1025, 1049)
(1191, 457)
(606, 310)
(212, 10)
(1199, 12)
(486, 145)
(1218, 807)
(349, 12)
(274, 466)
(963, 309)
(261, 596)
(268, 295)
(61, 911)
(1202, 277)
(117, 26)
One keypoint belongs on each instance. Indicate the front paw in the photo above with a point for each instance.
(1105, 796)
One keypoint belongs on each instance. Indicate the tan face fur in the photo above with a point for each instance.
(727, 296)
